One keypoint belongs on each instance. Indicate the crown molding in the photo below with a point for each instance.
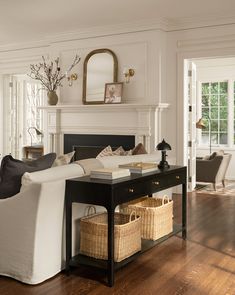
(116, 29)
(189, 23)
(212, 41)
(161, 24)
(24, 45)
(22, 59)
(89, 32)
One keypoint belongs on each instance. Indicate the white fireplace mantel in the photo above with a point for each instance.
(104, 107)
(141, 120)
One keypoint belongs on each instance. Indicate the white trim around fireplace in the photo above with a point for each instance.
(142, 121)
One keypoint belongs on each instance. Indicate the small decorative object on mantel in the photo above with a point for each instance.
(51, 77)
(113, 92)
(163, 146)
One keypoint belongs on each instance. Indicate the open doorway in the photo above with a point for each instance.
(210, 95)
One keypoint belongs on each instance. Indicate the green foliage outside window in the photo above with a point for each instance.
(215, 107)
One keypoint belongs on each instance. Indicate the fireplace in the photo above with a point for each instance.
(90, 145)
(140, 122)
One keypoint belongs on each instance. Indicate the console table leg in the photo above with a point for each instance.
(68, 235)
(184, 211)
(110, 247)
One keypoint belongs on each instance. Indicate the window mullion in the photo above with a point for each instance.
(230, 112)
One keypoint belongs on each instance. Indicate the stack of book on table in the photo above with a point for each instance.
(109, 173)
(140, 167)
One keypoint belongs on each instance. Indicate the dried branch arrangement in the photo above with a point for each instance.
(50, 75)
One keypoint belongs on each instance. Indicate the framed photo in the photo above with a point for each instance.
(113, 92)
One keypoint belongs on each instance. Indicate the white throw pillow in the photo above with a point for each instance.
(63, 159)
(119, 151)
(105, 152)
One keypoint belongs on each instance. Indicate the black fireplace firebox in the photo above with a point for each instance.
(90, 145)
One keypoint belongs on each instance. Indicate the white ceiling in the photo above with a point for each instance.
(22, 20)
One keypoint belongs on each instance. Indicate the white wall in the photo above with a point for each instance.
(157, 57)
(144, 51)
(141, 51)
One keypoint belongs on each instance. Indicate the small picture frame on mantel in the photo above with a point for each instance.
(113, 92)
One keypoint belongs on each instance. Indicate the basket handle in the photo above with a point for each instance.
(132, 212)
(165, 197)
(88, 210)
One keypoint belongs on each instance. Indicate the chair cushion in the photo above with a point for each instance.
(212, 156)
(12, 170)
(207, 157)
(218, 153)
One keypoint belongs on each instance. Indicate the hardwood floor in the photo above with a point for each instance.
(204, 264)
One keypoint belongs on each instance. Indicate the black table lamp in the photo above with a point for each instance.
(163, 146)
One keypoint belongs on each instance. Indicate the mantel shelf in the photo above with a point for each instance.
(140, 120)
(103, 107)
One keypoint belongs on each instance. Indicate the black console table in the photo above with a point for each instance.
(109, 194)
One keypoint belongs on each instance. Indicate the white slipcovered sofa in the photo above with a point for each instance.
(32, 232)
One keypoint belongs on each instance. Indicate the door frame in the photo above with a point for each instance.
(181, 117)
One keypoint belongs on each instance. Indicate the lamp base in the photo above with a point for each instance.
(163, 165)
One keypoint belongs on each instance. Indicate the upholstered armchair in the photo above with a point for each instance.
(213, 170)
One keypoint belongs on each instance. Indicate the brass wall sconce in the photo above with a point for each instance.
(128, 73)
(71, 78)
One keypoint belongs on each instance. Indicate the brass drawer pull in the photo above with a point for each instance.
(156, 182)
(130, 190)
(177, 177)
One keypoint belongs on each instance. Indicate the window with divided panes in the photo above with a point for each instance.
(214, 110)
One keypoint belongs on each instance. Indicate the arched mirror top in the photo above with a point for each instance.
(100, 67)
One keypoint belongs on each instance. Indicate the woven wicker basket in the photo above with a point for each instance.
(156, 216)
(94, 235)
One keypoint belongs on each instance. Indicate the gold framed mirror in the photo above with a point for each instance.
(100, 67)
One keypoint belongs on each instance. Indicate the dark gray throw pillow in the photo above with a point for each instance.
(12, 170)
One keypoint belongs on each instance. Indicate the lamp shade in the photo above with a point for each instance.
(37, 131)
(200, 124)
(163, 146)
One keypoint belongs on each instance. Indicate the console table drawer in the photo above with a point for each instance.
(157, 183)
(138, 188)
(176, 179)
(142, 188)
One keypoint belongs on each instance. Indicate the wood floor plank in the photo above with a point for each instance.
(204, 264)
